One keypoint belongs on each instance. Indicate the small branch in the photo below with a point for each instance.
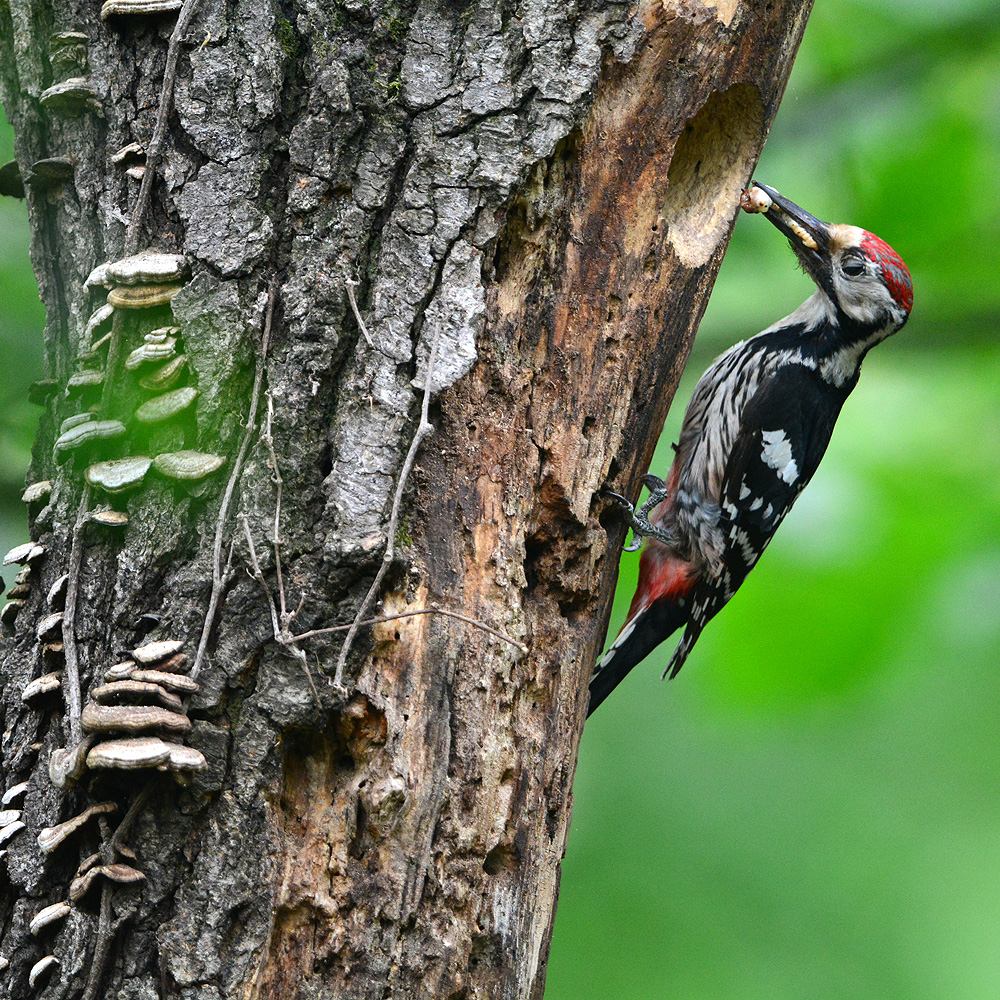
(258, 575)
(220, 522)
(102, 946)
(155, 148)
(279, 619)
(71, 652)
(105, 931)
(351, 285)
(424, 428)
(433, 609)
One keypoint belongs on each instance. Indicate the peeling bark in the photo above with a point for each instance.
(546, 190)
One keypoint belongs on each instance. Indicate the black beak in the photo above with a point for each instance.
(810, 238)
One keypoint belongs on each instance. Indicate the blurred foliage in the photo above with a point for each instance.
(812, 810)
(22, 320)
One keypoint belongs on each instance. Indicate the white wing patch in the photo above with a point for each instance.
(777, 454)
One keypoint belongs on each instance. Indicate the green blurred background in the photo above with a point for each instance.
(812, 810)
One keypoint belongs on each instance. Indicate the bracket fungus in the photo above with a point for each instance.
(66, 766)
(165, 376)
(117, 872)
(119, 671)
(11, 830)
(50, 172)
(13, 793)
(73, 97)
(51, 837)
(108, 518)
(68, 53)
(151, 351)
(147, 268)
(57, 592)
(180, 683)
(162, 334)
(49, 627)
(42, 391)
(82, 380)
(187, 464)
(184, 758)
(37, 492)
(166, 406)
(132, 719)
(53, 653)
(118, 475)
(90, 430)
(98, 318)
(9, 816)
(129, 754)
(154, 652)
(11, 181)
(47, 916)
(174, 664)
(133, 151)
(75, 421)
(142, 296)
(25, 553)
(135, 691)
(99, 276)
(40, 686)
(9, 612)
(124, 8)
(41, 969)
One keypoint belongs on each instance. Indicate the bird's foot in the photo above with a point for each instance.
(658, 492)
(638, 520)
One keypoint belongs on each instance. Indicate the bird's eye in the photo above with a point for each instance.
(853, 268)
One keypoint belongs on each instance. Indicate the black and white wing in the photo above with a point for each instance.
(784, 431)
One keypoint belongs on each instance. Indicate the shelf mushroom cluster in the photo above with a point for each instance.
(136, 719)
(25, 556)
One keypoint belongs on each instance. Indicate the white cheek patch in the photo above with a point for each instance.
(777, 455)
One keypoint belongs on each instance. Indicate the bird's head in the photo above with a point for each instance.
(861, 275)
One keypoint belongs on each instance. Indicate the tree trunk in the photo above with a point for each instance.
(535, 198)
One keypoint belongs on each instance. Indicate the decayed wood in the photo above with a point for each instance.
(545, 191)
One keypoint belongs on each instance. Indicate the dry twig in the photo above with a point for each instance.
(280, 619)
(424, 428)
(105, 930)
(351, 285)
(71, 652)
(432, 609)
(155, 148)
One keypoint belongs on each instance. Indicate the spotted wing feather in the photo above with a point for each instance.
(784, 431)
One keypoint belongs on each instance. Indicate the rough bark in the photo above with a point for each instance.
(543, 189)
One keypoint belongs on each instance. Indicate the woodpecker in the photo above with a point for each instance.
(754, 432)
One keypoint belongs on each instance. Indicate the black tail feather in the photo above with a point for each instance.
(637, 640)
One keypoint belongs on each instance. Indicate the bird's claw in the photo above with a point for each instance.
(638, 520)
(618, 499)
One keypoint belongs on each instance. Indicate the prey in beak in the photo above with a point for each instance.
(809, 237)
